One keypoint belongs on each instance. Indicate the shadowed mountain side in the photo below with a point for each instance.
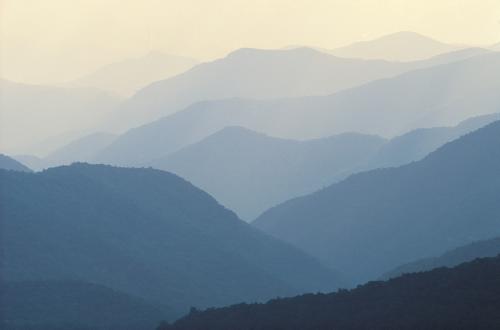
(442, 95)
(464, 297)
(480, 249)
(128, 76)
(8, 163)
(67, 305)
(374, 221)
(400, 46)
(165, 240)
(249, 172)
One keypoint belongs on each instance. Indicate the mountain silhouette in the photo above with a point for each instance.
(469, 252)
(417, 144)
(9, 163)
(258, 74)
(442, 95)
(375, 221)
(399, 46)
(249, 172)
(146, 233)
(464, 297)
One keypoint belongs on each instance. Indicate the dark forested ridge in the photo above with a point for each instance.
(480, 249)
(146, 233)
(375, 221)
(464, 297)
(72, 305)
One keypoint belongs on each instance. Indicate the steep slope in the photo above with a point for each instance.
(256, 74)
(31, 113)
(8, 163)
(400, 46)
(80, 150)
(33, 162)
(250, 172)
(374, 221)
(417, 144)
(72, 305)
(442, 95)
(464, 297)
(144, 232)
(480, 249)
(128, 76)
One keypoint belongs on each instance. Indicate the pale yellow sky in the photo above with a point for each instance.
(53, 40)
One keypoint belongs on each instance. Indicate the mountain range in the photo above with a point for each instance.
(464, 297)
(375, 221)
(442, 95)
(399, 46)
(229, 163)
(264, 74)
(250, 172)
(146, 233)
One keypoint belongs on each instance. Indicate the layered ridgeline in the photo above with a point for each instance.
(42, 118)
(481, 249)
(68, 305)
(418, 143)
(374, 221)
(146, 233)
(442, 95)
(9, 163)
(263, 74)
(464, 297)
(250, 172)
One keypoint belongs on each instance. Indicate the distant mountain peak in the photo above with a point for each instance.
(399, 46)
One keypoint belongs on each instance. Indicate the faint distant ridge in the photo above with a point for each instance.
(249, 172)
(479, 249)
(8, 163)
(256, 74)
(411, 100)
(128, 76)
(400, 46)
(79, 150)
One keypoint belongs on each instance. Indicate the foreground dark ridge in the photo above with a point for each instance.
(145, 233)
(464, 297)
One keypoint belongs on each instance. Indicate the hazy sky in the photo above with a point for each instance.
(51, 40)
